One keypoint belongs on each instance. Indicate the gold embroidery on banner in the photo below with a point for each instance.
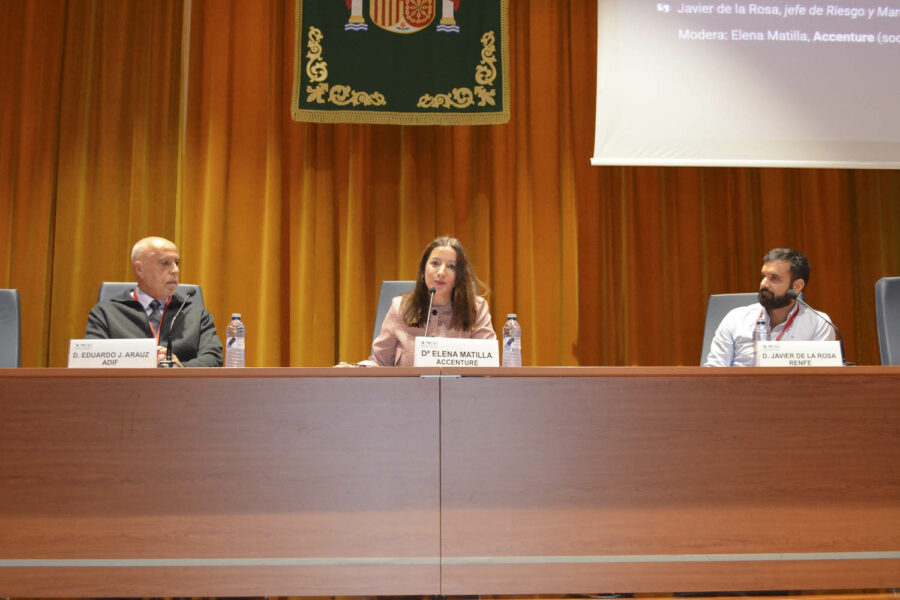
(342, 95)
(457, 98)
(317, 94)
(317, 71)
(485, 74)
(316, 68)
(485, 96)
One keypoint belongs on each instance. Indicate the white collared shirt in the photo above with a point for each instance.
(732, 345)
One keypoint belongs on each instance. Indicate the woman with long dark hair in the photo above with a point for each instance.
(456, 311)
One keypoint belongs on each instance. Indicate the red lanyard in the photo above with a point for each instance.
(787, 325)
(155, 332)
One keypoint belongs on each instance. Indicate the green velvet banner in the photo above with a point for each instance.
(407, 62)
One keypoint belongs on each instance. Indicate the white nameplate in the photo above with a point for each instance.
(456, 352)
(799, 354)
(122, 354)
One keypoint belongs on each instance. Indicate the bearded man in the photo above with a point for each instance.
(786, 319)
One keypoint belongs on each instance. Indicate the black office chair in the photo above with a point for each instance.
(10, 329)
(887, 316)
(111, 289)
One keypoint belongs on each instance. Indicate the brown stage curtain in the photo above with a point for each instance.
(91, 119)
(295, 225)
(664, 239)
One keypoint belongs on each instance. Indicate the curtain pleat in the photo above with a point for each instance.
(295, 225)
(31, 51)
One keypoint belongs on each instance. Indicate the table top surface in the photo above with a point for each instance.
(272, 372)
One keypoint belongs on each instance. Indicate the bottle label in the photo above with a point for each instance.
(512, 343)
(235, 343)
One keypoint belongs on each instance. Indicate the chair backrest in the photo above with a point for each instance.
(389, 289)
(10, 329)
(718, 306)
(111, 289)
(887, 315)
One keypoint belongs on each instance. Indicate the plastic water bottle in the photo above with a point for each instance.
(760, 334)
(235, 334)
(512, 342)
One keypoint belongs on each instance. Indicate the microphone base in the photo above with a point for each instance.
(167, 364)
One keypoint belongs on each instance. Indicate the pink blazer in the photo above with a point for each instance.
(395, 344)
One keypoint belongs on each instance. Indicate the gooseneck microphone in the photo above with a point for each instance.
(430, 302)
(169, 363)
(795, 296)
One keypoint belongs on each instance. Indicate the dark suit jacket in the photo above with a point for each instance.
(194, 339)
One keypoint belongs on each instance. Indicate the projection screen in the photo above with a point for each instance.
(805, 84)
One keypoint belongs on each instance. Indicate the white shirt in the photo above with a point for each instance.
(732, 345)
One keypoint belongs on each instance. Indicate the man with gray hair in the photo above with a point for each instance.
(786, 319)
(148, 310)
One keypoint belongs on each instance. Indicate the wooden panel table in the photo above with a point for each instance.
(218, 482)
(680, 479)
(484, 481)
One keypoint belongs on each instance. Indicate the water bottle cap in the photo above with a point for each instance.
(511, 316)
(236, 316)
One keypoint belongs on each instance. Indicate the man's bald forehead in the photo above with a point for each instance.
(141, 247)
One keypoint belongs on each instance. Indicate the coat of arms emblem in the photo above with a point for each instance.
(403, 16)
